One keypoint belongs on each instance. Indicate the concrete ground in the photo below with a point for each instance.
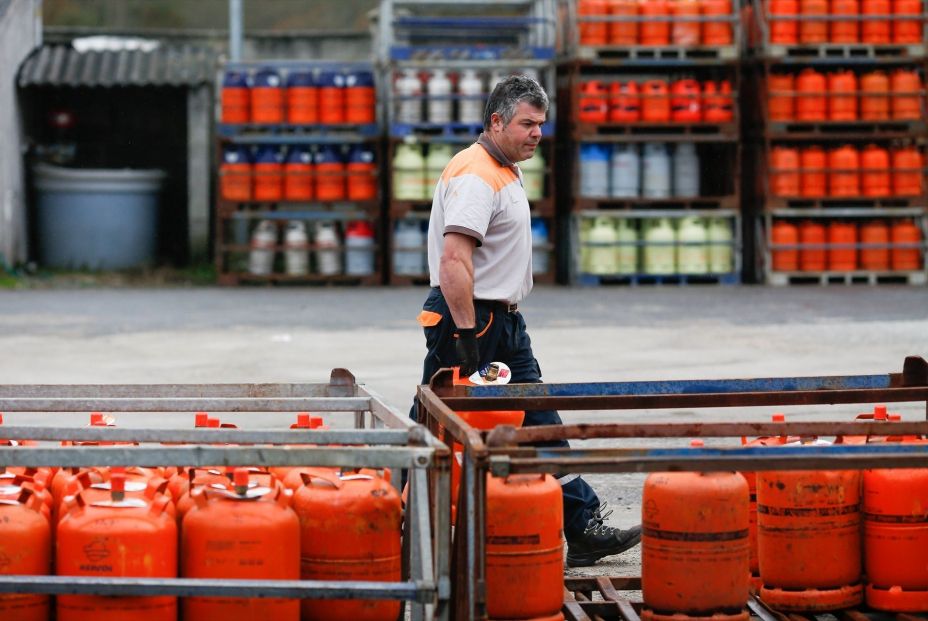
(184, 335)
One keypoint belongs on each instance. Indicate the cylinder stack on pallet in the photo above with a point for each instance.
(299, 190)
(439, 65)
(654, 100)
(841, 170)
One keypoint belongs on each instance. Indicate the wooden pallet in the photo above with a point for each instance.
(781, 279)
(845, 50)
(601, 53)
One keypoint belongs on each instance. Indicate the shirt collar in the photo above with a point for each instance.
(484, 141)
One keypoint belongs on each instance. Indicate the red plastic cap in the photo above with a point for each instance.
(697, 443)
(303, 419)
(240, 477)
(894, 418)
(118, 482)
(1, 418)
(879, 412)
(315, 422)
(96, 419)
(200, 419)
(212, 422)
(778, 418)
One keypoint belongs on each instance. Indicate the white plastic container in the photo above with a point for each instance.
(359, 248)
(660, 246)
(409, 173)
(261, 256)
(604, 259)
(720, 250)
(655, 171)
(533, 176)
(435, 162)
(473, 98)
(409, 93)
(625, 171)
(296, 254)
(692, 251)
(685, 170)
(594, 170)
(439, 101)
(408, 243)
(328, 256)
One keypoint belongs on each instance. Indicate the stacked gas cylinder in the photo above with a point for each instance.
(810, 541)
(214, 523)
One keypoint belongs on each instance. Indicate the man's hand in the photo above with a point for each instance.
(468, 352)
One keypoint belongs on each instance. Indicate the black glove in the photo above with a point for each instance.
(467, 351)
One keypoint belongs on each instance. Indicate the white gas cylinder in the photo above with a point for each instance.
(408, 249)
(533, 176)
(261, 256)
(359, 248)
(692, 251)
(625, 171)
(409, 173)
(439, 92)
(604, 254)
(627, 236)
(660, 246)
(656, 171)
(594, 169)
(685, 170)
(720, 246)
(435, 162)
(540, 263)
(473, 98)
(409, 97)
(296, 254)
(328, 255)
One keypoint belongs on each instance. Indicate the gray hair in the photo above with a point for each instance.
(509, 93)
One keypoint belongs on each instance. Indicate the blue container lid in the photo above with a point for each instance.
(332, 79)
(539, 228)
(267, 77)
(359, 79)
(329, 154)
(594, 151)
(236, 155)
(235, 79)
(300, 155)
(361, 154)
(301, 78)
(267, 155)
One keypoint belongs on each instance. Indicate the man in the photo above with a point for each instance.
(480, 263)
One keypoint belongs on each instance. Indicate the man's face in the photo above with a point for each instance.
(520, 137)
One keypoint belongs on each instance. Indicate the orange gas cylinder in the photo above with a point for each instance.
(751, 478)
(197, 478)
(298, 175)
(331, 97)
(895, 508)
(302, 98)
(268, 175)
(906, 88)
(907, 171)
(593, 105)
(874, 98)
(235, 174)
(624, 102)
(812, 96)
(25, 546)
(874, 165)
(844, 172)
(808, 539)
(781, 97)
(684, 32)
(330, 174)
(784, 171)
(360, 100)
(813, 31)
(907, 30)
(95, 485)
(783, 31)
(842, 96)
(812, 178)
(685, 101)
(695, 548)
(655, 101)
(267, 97)
(653, 32)
(812, 258)
(844, 31)
(621, 31)
(242, 531)
(116, 537)
(719, 103)
(717, 31)
(874, 259)
(905, 258)
(876, 31)
(524, 548)
(361, 169)
(235, 98)
(784, 233)
(842, 251)
(593, 33)
(349, 530)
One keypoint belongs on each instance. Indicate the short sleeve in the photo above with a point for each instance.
(468, 205)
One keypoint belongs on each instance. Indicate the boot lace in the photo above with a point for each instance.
(597, 524)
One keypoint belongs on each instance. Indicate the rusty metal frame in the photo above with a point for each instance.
(380, 437)
(502, 451)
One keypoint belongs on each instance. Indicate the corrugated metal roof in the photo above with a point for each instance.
(62, 65)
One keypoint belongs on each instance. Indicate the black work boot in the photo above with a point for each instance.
(599, 540)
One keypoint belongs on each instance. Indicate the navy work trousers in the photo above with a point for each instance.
(503, 338)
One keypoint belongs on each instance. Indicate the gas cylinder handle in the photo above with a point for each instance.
(332, 479)
(158, 505)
